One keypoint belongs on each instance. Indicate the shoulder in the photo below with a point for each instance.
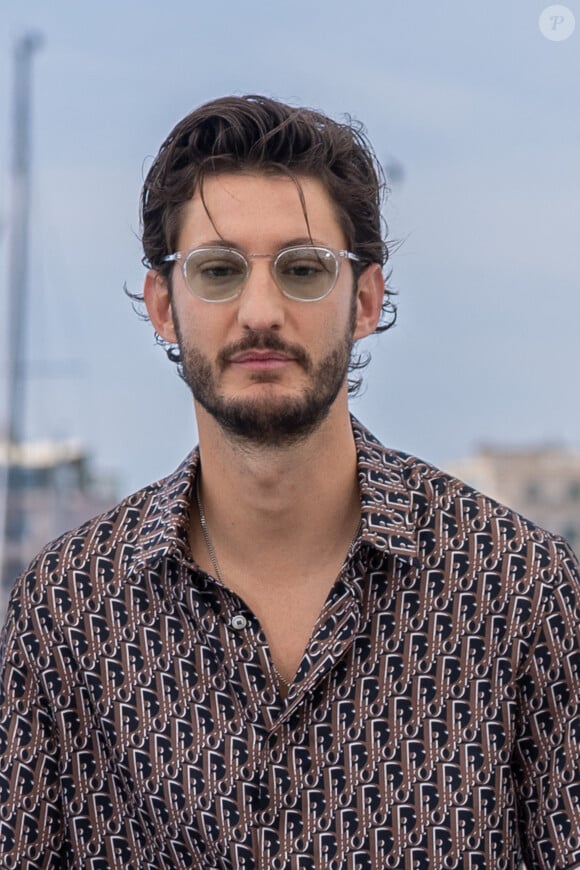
(456, 549)
(449, 519)
(109, 545)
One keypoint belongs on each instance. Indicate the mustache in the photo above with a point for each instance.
(264, 341)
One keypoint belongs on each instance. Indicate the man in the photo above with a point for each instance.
(301, 649)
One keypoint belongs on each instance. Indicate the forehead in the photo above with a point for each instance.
(249, 209)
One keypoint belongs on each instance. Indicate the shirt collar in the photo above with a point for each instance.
(389, 505)
(390, 502)
(164, 531)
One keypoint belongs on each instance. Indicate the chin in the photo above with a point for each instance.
(270, 421)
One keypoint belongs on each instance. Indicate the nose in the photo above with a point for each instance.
(261, 304)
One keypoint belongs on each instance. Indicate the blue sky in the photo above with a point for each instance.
(475, 103)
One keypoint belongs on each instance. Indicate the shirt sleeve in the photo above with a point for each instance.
(31, 823)
(548, 739)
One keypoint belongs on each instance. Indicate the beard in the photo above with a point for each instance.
(268, 421)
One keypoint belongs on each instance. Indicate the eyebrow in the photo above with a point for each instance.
(290, 243)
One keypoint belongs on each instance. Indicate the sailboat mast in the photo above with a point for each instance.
(20, 225)
(10, 502)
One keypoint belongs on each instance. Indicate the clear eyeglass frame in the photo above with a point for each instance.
(245, 259)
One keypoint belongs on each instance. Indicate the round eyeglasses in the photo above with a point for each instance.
(306, 273)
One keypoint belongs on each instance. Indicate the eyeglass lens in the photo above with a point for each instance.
(305, 273)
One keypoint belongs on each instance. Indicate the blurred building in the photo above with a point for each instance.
(48, 488)
(542, 483)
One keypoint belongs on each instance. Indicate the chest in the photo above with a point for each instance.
(191, 738)
(397, 733)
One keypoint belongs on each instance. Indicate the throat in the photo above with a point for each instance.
(286, 595)
(278, 544)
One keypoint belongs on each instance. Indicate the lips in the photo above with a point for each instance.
(249, 356)
(263, 350)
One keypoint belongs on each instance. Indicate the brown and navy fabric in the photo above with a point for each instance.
(434, 721)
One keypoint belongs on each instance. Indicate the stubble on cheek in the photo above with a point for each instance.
(268, 419)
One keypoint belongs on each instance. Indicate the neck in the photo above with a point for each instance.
(299, 502)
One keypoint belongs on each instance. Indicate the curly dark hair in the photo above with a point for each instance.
(261, 134)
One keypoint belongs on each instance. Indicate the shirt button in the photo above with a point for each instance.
(238, 622)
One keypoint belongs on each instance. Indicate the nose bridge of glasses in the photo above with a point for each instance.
(260, 300)
(267, 269)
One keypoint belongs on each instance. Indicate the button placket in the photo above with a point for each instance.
(245, 638)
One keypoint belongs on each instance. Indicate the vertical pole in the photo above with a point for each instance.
(20, 223)
(17, 285)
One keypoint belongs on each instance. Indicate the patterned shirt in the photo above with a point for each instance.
(433, 721)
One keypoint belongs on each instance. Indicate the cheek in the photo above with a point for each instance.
(346, 317)
(204, 330)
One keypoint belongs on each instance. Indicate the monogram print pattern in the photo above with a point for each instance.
(433, 722)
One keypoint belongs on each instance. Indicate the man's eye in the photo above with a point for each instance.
(219, 270)
(303, 270)
(303, 267)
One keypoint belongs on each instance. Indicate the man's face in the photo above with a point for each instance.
(267, 368)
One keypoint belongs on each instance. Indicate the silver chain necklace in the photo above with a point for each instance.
(215, 564)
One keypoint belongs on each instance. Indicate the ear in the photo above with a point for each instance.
(369, 299)
(158, 303)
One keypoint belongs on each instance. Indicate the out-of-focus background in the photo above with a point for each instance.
(473, 111)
